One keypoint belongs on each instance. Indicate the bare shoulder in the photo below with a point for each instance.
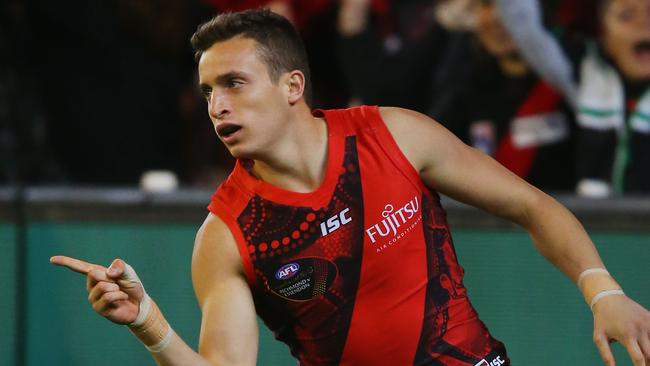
(420, 137)
(392, 113)
(213, 228)
(215, 257)
(400, 120)
(456, 169)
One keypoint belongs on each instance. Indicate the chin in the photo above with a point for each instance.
(237, 153)
(241, 152)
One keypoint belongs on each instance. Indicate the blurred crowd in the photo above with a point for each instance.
(558, 91)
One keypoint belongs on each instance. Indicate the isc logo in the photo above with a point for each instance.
(496, 362)
(335, 222)
(287, 271)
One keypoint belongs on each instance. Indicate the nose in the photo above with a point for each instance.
(218, 107)
(219, 114)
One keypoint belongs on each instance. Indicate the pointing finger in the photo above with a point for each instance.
(73, 264)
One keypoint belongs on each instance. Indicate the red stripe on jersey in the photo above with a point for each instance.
(389, 306)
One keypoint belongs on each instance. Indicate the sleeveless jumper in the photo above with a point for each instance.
(361, 271)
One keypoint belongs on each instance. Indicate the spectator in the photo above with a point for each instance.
(523, 20)
(614, 102)
(390, 52)
(507, 111)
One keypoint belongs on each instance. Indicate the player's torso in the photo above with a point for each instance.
(362, 271)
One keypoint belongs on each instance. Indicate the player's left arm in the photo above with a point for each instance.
(467, 175)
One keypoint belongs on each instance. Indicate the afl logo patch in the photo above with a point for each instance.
(287, 271)
(302, 279)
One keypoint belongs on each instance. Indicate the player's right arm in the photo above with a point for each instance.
(229, 334)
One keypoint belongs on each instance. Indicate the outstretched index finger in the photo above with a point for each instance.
(73, 264)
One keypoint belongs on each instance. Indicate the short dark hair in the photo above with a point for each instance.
(280, 46)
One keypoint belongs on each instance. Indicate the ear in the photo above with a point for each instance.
(295, 82)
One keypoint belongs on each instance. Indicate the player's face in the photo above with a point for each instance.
(626, 36)
(490, 31)
(248, 110)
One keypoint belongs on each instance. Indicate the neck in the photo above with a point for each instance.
(297, 162)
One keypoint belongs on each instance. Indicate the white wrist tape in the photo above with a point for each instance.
(596, 284)
(158, 347)
(145, 309)
(149, 326)
(601, 295)
(588, 272)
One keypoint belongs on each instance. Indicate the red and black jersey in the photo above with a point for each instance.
(361, 271)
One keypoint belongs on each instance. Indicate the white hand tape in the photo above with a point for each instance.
(145, 304)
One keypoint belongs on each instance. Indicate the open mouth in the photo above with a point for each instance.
(642, 48)
(227, 129)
